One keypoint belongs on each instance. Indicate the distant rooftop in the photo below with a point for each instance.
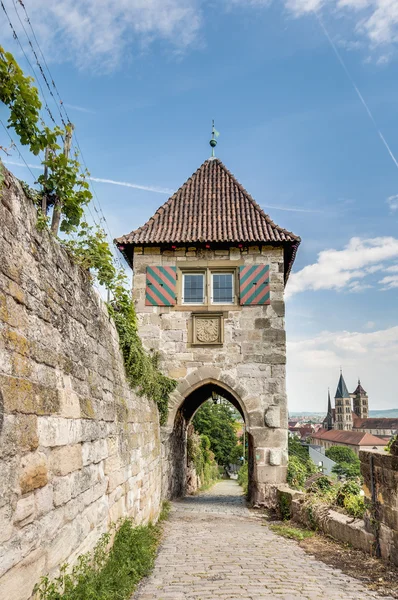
(353, 438)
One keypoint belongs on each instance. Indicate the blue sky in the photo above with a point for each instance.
(142, 82)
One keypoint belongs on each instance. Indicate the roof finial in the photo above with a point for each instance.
(213, 141)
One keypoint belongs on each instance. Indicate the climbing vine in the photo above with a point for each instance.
(65, 190)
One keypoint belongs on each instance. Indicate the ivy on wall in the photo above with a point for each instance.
(65, 189)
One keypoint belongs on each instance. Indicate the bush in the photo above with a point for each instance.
(296, 473)
(202, 458)
(355, 506)
(321, 485)
(348, 463)
(107, 574)
(349, 488)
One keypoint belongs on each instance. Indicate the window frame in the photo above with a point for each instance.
(207, 272)
(211, 273)
(194, 272)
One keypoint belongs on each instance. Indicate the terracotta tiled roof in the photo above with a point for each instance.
(354, 438)
(375, 423)
(212, 207)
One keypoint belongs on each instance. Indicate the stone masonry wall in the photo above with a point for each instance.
(78, 449)
(380, 473)
(250, 363)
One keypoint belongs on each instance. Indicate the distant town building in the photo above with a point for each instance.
(356, 440)
(351, 413)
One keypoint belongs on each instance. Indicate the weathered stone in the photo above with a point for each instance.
(18, 582)
(25, 511)
(33, 472)
(65, 459)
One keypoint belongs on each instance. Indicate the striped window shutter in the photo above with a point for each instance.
(254, 285)
(161, 286)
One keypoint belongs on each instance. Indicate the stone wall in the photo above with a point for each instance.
(320, 517)
(78, 449)
(249, 364)
(380, 473)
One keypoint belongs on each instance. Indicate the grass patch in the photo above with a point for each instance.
(293, 533)
(108, 573)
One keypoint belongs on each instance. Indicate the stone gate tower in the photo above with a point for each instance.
(210, 268)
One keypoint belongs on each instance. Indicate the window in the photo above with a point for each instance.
(193, 290)
(208, 287)
(222, 288)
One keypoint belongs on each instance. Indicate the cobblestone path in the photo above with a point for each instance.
(215, 548)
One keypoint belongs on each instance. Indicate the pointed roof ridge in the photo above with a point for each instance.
(192, 215)
(359, 389)
(342, 391)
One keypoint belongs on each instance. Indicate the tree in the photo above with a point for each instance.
(348, 464)
(341, 454)
(216, 421)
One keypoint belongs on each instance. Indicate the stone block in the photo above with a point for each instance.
(25, 511)
(94, 452)
(275, 457)
(44, 500)
(24, 396)
(62, 490)
(19, 434)
(65, 459)
(33, 472)
(272, 416)
(57, 431)
(18, 582)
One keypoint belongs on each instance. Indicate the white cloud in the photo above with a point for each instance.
(392, 201)
(99, 32)
(369, 355)
(338, 269)
(370, 325)
(390, 282)
(376, 19)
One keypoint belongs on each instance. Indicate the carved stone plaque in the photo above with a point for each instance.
(207, 329)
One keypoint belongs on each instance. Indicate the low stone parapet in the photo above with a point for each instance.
(320, 517)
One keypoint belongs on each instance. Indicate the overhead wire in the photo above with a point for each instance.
(61, 107)
(14, 145)
(16, 38)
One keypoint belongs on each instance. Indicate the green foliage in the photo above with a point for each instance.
(284, 506)
(322, 484)
(201, 456)
(65, 188)
(217, 422)
(341, 454)
(390, 443)
(17, 92)
(296, 473)
(348, 464)
(243, 478)
(355, 506)
(349, 488)
(293, 533)
(300, 466)
(107, 574)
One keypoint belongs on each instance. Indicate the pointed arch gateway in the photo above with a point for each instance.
(185, 403)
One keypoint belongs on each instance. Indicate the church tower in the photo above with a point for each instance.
(343, 406)
(361, 405)
(328, 422)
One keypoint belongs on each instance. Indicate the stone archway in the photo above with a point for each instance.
(267, 441)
